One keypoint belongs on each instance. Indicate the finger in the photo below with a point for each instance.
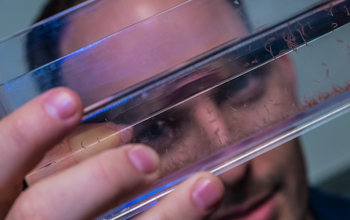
(85, 141)
(91, 187)
(29, 132)
(195, 198)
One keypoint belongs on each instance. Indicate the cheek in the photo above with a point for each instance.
(276, 102)
(286, 163)
(285, 160)
(232, 176)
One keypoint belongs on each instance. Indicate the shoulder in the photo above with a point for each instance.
(326, 206)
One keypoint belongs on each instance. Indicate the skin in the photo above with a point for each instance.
(153, 56)
(271, 186)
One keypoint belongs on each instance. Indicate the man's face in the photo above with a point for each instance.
(271, 186)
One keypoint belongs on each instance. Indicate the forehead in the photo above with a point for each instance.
(106, 17)
(164, 38)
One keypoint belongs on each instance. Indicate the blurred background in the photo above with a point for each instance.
(326, 148)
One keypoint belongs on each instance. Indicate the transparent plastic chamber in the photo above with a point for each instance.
(208, 84)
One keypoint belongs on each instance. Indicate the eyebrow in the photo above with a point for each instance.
(204, 79)
(207, 79)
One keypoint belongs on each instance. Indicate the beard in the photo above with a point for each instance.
(285, 185)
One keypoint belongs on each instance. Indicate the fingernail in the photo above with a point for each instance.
(144, 159)
(125, 133)
(112, 126)
(206, 194)
(126, 136)
(60, 105)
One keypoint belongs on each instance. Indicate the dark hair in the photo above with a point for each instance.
(43, 43)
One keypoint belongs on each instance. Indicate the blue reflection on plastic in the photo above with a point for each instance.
(112, 213)
(122, 101)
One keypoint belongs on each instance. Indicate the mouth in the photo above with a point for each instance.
(261, 208)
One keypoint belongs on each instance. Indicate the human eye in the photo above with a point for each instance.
(242, 90)
(152, 130)
(159, 132)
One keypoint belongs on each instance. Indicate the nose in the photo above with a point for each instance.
(216, 129)
(208, 116)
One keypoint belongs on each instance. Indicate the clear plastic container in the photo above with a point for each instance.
(199, 81)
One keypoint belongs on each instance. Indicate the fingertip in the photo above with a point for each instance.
(144, 159)
(63, 104)
(208, 192)
(126, 133)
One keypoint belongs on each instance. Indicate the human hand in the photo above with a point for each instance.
(195, 198)
(90, 188)
(83, 142)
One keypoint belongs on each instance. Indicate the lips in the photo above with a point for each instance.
(257, 208)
